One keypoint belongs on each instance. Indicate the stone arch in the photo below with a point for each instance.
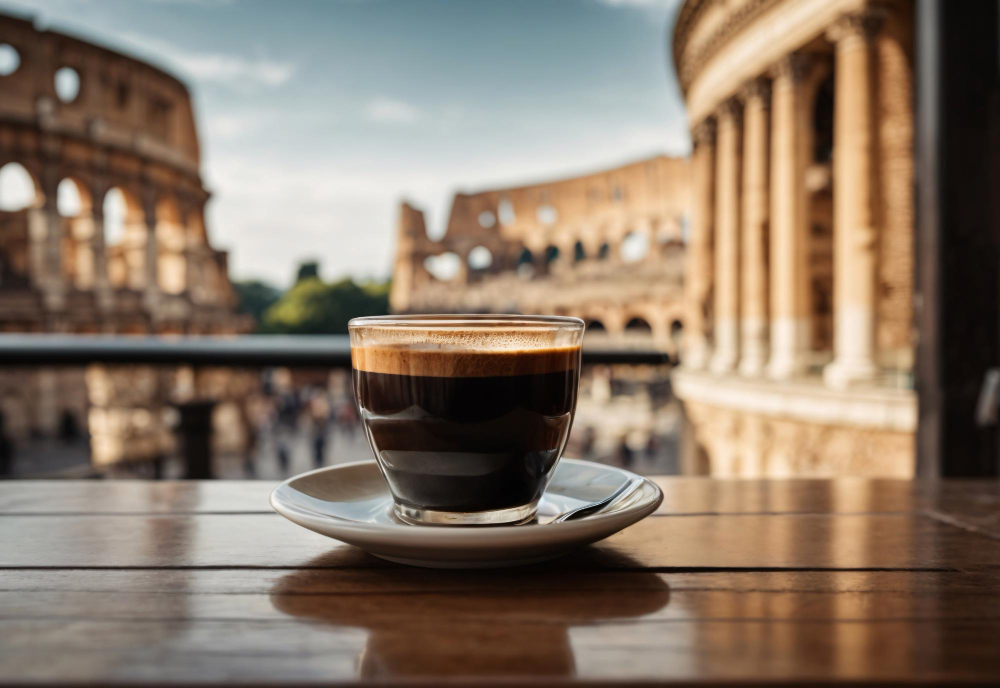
(552, 254)
(171, 239)
(75, 205)
(604, 251)
(638, 324)
(525, 263)
(19, 187)
(124, 237)
(579, 252)
(480, 258)
(634, 247)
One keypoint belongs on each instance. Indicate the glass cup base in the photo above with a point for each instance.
(422, 517)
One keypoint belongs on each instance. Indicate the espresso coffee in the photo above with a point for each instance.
(466, 430)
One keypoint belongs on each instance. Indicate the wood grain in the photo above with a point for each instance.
(749, 583)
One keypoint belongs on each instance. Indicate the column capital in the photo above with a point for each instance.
(794, 66)
(864, 24)
(758, 88)
(731, 109)
(704, 132)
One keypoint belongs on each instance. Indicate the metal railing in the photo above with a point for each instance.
(245, 351)
(262, 351)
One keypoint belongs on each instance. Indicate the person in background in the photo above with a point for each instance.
(319, 417)
(6, 450)
(286, 423)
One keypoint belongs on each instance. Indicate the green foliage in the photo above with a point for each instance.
(256, 297)
(307, 270)
(314, 307)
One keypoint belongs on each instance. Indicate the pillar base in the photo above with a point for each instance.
(787, 365)
(696, 356)
(753, 363)
(789, 348)
(727, 349)
(848, 372)
(754, 347)
(724, 361)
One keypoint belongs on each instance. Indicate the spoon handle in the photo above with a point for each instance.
(619, 494)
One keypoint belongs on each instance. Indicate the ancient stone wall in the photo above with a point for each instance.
(88, 123)
(607, 247)
(837, 77)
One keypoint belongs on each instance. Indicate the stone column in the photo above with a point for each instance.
(98, 246)
(151, 257)
(791, 302)
(698, 271)
(45, 230)
(754, 268)
(727, 239)
(855, 242)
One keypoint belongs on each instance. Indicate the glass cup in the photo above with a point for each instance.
(467, 414)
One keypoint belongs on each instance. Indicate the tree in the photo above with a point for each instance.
(315, 307)
(256, 297)
(307, 270)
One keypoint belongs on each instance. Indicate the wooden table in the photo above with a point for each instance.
(732, 581)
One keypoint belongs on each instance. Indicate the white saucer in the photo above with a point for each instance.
(351, 503)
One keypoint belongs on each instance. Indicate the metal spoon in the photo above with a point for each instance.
(619, 494)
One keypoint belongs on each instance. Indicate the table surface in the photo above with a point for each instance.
(730, 582)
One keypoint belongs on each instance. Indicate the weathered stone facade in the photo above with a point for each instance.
(803, 118)
(127, 128)
(606, 247)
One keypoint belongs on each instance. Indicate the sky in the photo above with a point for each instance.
(317, 117)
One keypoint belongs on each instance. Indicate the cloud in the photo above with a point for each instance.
(650, 4)
(235, 71)
(389, 111)
(229, 126)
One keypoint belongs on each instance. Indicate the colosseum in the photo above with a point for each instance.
(605, 247)
(798, 330)
(111, 236)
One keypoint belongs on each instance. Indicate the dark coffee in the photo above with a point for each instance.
(466, 431)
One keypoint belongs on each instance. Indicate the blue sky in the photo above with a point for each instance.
(318, 116)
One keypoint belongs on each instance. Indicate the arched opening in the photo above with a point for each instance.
(638, 332)
(604, 251)
(67, 84)
(17, 188)
(124, 239)
(551, 254)
(487, 219)
(635, 247)
(69, 201)
(547, 215)
(505, 212)
(480, 258)
(638, 326)
(579, 252)
(10, 59)
(525, 265)
(171, 239)
(444, 267)
(74, 205)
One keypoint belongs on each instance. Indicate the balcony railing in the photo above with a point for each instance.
(309, 351)
(194, 425)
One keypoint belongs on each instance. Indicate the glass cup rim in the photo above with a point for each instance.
(471, 320)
